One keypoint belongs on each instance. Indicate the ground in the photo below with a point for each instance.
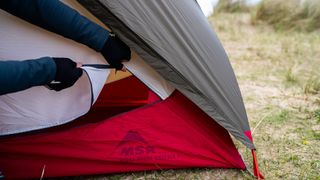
(278, 74)
(279, 79)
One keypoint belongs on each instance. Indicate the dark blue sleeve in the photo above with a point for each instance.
(57, 17)
(19, 75)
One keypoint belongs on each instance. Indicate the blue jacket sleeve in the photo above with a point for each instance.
(57, 17)
(19, 75)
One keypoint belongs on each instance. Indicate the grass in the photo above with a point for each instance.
(289, 15)
(317, 114)
(291, 77)
(281, 117)
(278, 74)
(284, 65)
(312, 86)
(231, 6)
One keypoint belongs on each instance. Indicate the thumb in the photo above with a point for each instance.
(75, 75)
(78, 72)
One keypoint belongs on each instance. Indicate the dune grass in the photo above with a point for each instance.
(295, 15)
(231, 6)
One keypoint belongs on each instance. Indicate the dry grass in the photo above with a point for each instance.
(289, 15)
(231, 6)
(279, 78)
(278, 74)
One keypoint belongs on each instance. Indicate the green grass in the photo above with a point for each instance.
(317, 114)
(289, 15)
(280, 117)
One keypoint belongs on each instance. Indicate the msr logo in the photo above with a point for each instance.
(133, 144)
(137, 150)
(133, 147)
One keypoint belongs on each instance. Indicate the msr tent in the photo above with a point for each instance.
(176, 111)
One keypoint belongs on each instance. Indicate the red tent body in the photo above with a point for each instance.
(128, 129)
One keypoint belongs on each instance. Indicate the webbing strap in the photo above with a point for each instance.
(98, 66)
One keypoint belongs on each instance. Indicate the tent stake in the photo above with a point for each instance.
(256, 166)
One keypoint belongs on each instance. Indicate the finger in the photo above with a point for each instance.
(79, 65)
(76, 74)
(124, 60)
(56, 87)
(124, 69)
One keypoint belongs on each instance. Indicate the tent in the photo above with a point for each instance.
(176, 110)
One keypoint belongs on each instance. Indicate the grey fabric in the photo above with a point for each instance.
(175, 39)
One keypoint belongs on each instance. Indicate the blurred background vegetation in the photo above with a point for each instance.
(290, 14)
(298, 15)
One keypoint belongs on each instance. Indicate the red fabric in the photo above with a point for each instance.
(256, 171)
(248, 134)
(173, 133)
(126, 92)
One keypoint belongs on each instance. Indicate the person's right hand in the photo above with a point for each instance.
(67, 73)
(115, 52)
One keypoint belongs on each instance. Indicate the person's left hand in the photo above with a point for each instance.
(67, 73)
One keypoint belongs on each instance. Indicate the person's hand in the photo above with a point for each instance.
(67, 73)
(115, 52)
